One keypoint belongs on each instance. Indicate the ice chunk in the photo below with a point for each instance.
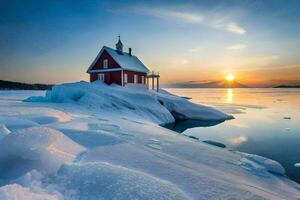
(40, 148)
(270, 165)
(218, 144)
(3, 131)
(181, 108)
(254, 167)
(297, 164)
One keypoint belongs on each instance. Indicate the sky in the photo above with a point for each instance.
(55, 41)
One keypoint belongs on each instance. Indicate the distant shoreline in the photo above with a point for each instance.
(10, 85)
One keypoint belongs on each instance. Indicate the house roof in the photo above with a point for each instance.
(126, 61)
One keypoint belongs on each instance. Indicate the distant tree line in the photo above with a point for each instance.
(287, 86)
(9, 85)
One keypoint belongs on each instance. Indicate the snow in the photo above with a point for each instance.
(17, 192)
(125, 183)
(92, 141)
(124, 60)
(40, 148)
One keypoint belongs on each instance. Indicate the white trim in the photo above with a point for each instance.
(133, 70)
(101, 77)
(113, 70)
(122, 77)
(125, 78)
(106, 70)
(143, 79)
(105, 64)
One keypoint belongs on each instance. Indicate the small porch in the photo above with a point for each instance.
(152, 81)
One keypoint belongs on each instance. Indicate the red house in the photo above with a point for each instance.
(116, 66)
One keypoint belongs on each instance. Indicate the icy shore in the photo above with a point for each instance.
(92, 141)
(160, 108)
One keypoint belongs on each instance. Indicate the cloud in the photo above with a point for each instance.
(194, 50)
(234, 28)
(238, 140)
(227, 24)
(208, 19)
(236, 47)
(182, 16)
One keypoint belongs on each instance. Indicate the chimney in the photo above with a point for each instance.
(129, 51)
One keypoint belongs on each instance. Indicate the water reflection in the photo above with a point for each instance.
(266, 122)
(238, 140)
(229, 95)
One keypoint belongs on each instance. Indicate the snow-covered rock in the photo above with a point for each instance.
(181, 108)
(160, 108)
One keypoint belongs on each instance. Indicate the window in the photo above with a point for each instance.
(135, 78)
(143, 80)
(125, 78)
(105, 63)
(101, 77)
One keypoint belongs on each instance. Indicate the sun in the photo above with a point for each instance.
(230, 77)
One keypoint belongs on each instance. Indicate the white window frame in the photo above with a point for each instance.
(143, 79)
(105, 63)
(135, 78)
(101, 77)
(125, 78)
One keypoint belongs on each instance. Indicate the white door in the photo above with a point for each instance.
(101, 77)
(125, 78)
(135, 78)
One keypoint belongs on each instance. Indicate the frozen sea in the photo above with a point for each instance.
(267, 122)
(90, 141)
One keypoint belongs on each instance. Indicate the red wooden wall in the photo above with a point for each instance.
(115, 77)
(111, 62)
(131, 76)
(109, 77)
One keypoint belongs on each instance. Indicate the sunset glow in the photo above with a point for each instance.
(230, 77)
(195, 41)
